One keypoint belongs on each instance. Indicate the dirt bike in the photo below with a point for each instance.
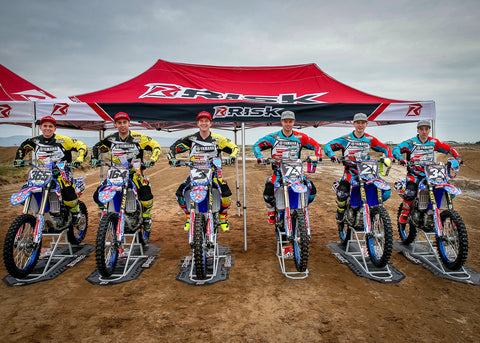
(43, 212)
(203, 199)
(291, 206)
(122, 211)
(365, 212)
(432, 210)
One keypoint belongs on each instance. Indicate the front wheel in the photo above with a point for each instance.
(20, 253)
(106, 252)
(199, 257)
(301, 240)
(407, 231)
(453, 245)
(380, 240)
(76, 233)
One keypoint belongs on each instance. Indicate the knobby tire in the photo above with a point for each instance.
(106, 253)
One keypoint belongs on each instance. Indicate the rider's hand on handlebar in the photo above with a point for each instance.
(173, 162)
(230, 160)
(402, 162)
(459, 160)
(261, 160)
(149, 164)
(18, 163)
(334, 159)
(93, 163)
(76, 164)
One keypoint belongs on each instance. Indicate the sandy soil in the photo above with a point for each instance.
(257, 303)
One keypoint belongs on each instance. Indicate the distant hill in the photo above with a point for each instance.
(89, 141)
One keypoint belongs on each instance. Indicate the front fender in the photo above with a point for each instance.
(107, 194)
(199, 193)
(298, 187)
(20, 196)
(384, 186)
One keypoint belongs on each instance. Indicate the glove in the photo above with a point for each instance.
(459, 159)
(334, 159)
(261, 160)
(18, 163)
(149, 164)
(173, 162)
(402, 162)
(93, 163)
(77, 164)
(230, 160)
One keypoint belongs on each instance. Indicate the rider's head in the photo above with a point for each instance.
(122, 123)
(204, 122)
(360, 123)
(288, 120)
(423, 129)
(48, 125)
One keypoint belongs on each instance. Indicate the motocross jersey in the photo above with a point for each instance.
(208, 147)
(58, 147)
(415, 150)
(354, 148)
(134, 145)
(281, 145)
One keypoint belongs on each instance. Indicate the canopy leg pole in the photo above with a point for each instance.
(237, 181)
(244, 189)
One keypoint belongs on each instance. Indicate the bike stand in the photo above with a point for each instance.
(54, 260)
(355, 256)
(133, 259)
(424, 252)
(219, 262)
(285, 252)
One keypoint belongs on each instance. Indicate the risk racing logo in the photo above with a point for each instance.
(246, 111)
(414, 110)
(5, 110)
(60, 109)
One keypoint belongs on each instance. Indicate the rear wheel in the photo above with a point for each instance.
(407, 231)
(199, 256)
(380, 240)
(76, 233)
(106, 252)
(301, 240)
(20, 253)
(453, 245)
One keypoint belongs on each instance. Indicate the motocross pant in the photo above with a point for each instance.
(144, 194)
(69, 196)
(226, 195)
(269, 192)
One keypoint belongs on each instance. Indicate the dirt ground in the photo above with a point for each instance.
(257, 303)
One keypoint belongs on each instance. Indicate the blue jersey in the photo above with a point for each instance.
(278, 143)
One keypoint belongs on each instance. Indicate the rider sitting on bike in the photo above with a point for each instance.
(141, 142)
(63, 147)
(285, 139)
(355, 145)
(418, 148)
(206, 143)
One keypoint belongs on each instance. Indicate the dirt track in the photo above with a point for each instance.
(257, 303)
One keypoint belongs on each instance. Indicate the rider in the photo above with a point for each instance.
(354, 145)
(142, 142)
(285, 139)
(211, 144)
(63, 147)
(418, 148)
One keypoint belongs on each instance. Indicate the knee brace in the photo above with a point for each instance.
(410, 191)
(313, 192)
(269, 194)
(145, 193)
(343, 190)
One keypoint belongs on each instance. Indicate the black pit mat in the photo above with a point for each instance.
(224, 265)
(381, 274)
(428, 261)
(136, 267)
(57, 265)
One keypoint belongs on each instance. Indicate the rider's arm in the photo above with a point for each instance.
(27, 146)
(263, 144)
(444, 147)
(334, 145)
(310, 143)
(226, 145)
(402, 148)
(150, 144)
(75, 145)
(379, 146)
(101, 147)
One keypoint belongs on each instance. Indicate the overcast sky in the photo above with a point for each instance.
(407, 50)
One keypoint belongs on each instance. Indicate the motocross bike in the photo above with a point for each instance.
(365, 212)
(43, 212)
(432, 210)
(122, 211)
(291, 206)
(203, 199)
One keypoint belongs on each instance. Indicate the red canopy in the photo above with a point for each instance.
(15, 88)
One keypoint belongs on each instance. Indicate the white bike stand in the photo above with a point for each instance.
(424, 249)
(285, 252)
(53, 260)
(132, 253)
(357, 248)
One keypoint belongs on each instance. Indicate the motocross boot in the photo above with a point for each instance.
(405, 212)
(271, 217)
(186, 227)
(147, 223)
(340, 211)
(224, 222)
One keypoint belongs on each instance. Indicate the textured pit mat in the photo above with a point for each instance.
(426, 258)
(57, 266)
(224, 264)
(136, 266)
(387, 274)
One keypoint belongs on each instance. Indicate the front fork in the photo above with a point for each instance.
(367, 224)
(436, 212)
(288, 217)
(40, 222)
(121, 217)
